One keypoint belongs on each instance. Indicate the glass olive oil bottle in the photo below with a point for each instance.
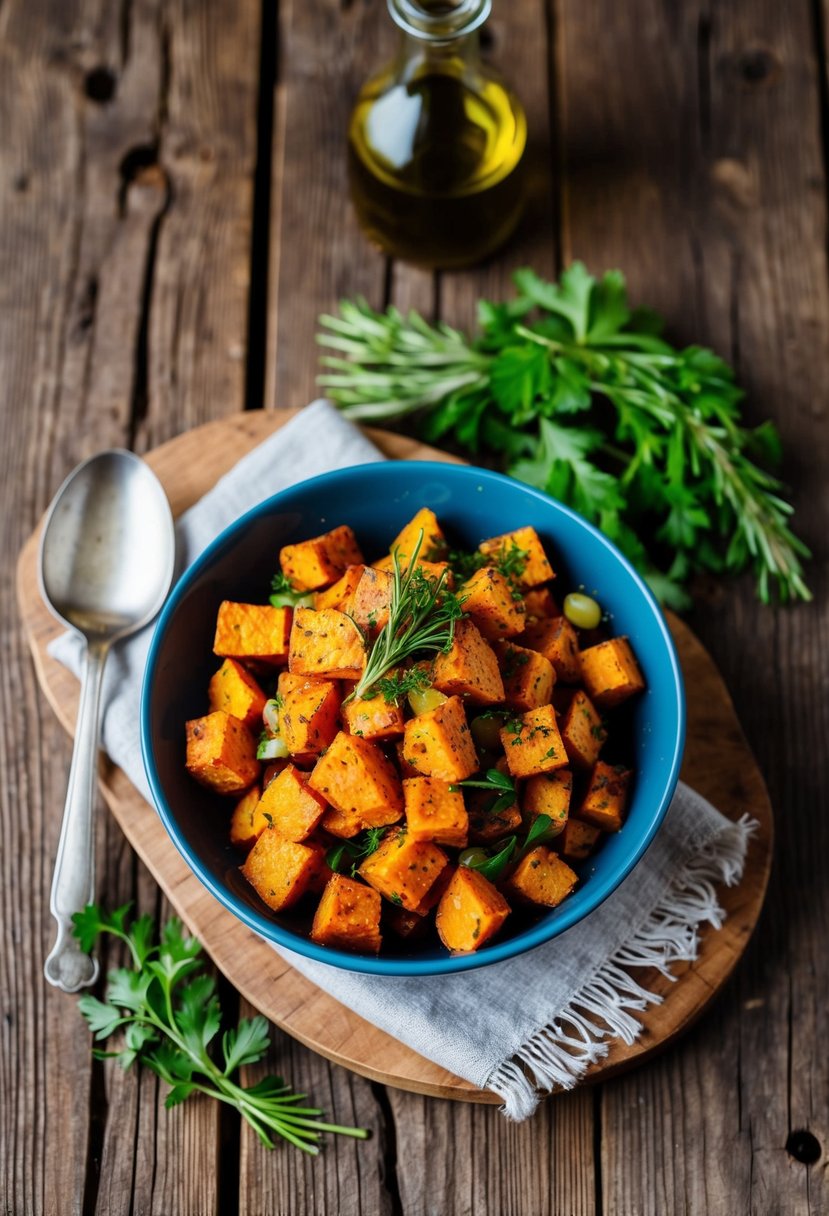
(436, 142)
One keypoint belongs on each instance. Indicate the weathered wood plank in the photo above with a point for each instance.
(326, 51)
(468, 1159)
(348, 1175)
(701, 175)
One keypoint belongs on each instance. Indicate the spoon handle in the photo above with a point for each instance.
(73, 884)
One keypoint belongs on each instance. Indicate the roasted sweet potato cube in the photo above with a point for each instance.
(280, 870)
(348, 917)
(534, 567)
(221, 753)
(578, 840)
(606, 798)
(532, 743)
(252, 631)
(582, 731)
(433, 546)
(431, 570)
(558, 641)
(470, 912)
(242, 831)
(371, 599)
(549, 794)
(326, 643)
(528, 676)
(406, 769)
(361, 785)
(288, 682)
(434, 811)
(402, 869)
(438, 743)
(610, 672)
(486, 824)
(309, 717)
(339, 594)
(488, 598)
(541, 877)
(469, 668)
(234, 690)
(435, 893)
(539, 604)
(373, 718)
(317, 562)
(290, 806)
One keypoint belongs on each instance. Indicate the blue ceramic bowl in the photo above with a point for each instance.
(377, 500)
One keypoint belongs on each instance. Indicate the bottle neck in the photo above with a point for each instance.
(439, 22)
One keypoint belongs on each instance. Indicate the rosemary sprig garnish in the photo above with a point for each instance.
(422, 615)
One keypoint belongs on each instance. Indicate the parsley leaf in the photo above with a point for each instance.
(167, 1008)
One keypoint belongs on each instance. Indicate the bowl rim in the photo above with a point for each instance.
(537, 935)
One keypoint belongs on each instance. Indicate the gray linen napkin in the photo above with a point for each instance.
(536, 1022)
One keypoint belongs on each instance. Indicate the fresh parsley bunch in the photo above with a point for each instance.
(167, 1008)
(579, 395)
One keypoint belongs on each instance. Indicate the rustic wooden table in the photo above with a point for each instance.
(173, 217)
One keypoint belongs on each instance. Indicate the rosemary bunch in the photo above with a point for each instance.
(577, 394)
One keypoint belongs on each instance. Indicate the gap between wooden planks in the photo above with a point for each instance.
(718, 762)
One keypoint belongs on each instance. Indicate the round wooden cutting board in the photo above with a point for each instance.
(717, 762)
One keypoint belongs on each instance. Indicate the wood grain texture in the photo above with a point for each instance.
(716, 757)
(701, 173)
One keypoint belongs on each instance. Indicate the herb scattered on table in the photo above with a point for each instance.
(577, 394)
(167, 1008)
(422, 615)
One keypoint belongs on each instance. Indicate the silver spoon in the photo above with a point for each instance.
(106, 564)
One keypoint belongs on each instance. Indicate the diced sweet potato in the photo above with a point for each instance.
(536, 567)
(361, 785)
(435, 893)
(438, 743)
(348, 917)
(431, 570)
(317, 562)
(434, 811)
(309, 717)
(326, 643)
(242, 831)
(433, 545)
(528, 676)
(532, 743)
(371, 599)
(606, 798)
(541, 877)
(373, 718)
(610, 672)
(280, 870)
(578, 840)
(470, 912)
(288, 682)
(406, 769)
(290, 806)
(339, 594)
(539, 604)
(469, 668)
(252, 631)
(221, 753)
(582, 731)
(403, 869)
(488, 598)
(558, 641)
(487, 825)
(549, 794)
(234, 690)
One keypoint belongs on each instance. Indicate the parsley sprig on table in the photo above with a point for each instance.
(167, 1008)
(578, 395)
(422, 615)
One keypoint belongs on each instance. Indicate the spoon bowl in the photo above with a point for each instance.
(106, 564)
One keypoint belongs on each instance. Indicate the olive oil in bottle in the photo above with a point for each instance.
(436, 142)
